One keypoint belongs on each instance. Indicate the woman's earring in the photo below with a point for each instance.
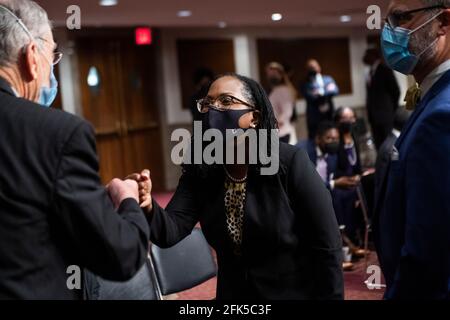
(254, 123)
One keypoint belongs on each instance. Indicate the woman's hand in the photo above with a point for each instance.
(346, 182)
(145, 189)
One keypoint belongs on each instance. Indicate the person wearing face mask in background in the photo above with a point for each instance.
(349, 165)
(54, 212)
(323, 153)
(283, 97)
(382, 97)
(349, 158)
(275, 236)
(202, 78)
(318, 91)
(412, 215)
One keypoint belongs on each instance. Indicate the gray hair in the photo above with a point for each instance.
(13, 37)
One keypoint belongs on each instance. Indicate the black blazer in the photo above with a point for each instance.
(344, 168)
(54, 212)
(383, 94)
(291, 247)
(382, 163)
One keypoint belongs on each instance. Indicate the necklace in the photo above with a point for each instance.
(234, 179)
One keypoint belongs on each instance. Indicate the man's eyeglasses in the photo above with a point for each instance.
(57, 56)
(222, 103)
(398, 18)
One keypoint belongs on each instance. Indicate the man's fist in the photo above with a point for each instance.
(120, 190)
(145, 189)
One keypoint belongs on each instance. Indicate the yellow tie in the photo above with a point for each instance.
(412, 97)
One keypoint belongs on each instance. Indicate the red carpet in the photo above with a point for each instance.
(355, 289)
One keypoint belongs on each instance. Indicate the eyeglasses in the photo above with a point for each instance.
(222, 103)
(57, 56)
(399, 18)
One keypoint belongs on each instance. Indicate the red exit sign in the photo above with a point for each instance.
(143, 36)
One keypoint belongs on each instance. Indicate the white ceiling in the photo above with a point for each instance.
(236, 13)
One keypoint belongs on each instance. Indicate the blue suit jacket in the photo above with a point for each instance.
(310, 86)
(412, 217)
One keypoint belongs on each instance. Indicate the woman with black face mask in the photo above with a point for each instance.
(276, 236)
(349, 166)
(345, 119)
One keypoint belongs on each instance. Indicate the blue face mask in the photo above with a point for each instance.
(48, 94)
(395, 46)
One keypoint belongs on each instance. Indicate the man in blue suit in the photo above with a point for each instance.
(412, 216)
(318, 91)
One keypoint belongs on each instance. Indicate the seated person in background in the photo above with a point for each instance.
(384, 154)
(349, 160)
(346, 201)
(323, 152)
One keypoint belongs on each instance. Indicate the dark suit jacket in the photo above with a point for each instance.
(54, 212)
(412, 218)
(313, 115)
(383, 94)
(382, 163)
(332, 159)
(344, 168)
(291, 245)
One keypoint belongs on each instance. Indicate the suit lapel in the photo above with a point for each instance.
(412, 120)
(444, 80)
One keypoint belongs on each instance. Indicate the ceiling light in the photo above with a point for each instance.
(108, 3)
(184, 13)
(345, 19)
(277, 17)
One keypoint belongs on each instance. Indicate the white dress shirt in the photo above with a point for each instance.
(433, 77)
(321, 165)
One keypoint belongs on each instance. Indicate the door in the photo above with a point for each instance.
(118, 82)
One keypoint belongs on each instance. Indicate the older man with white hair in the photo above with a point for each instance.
(54, 213)
(412, 218)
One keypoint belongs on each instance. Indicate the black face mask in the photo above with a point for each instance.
(223, 120)
(312, 73)
(346, 127)
(274, 81)
(331, 148)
